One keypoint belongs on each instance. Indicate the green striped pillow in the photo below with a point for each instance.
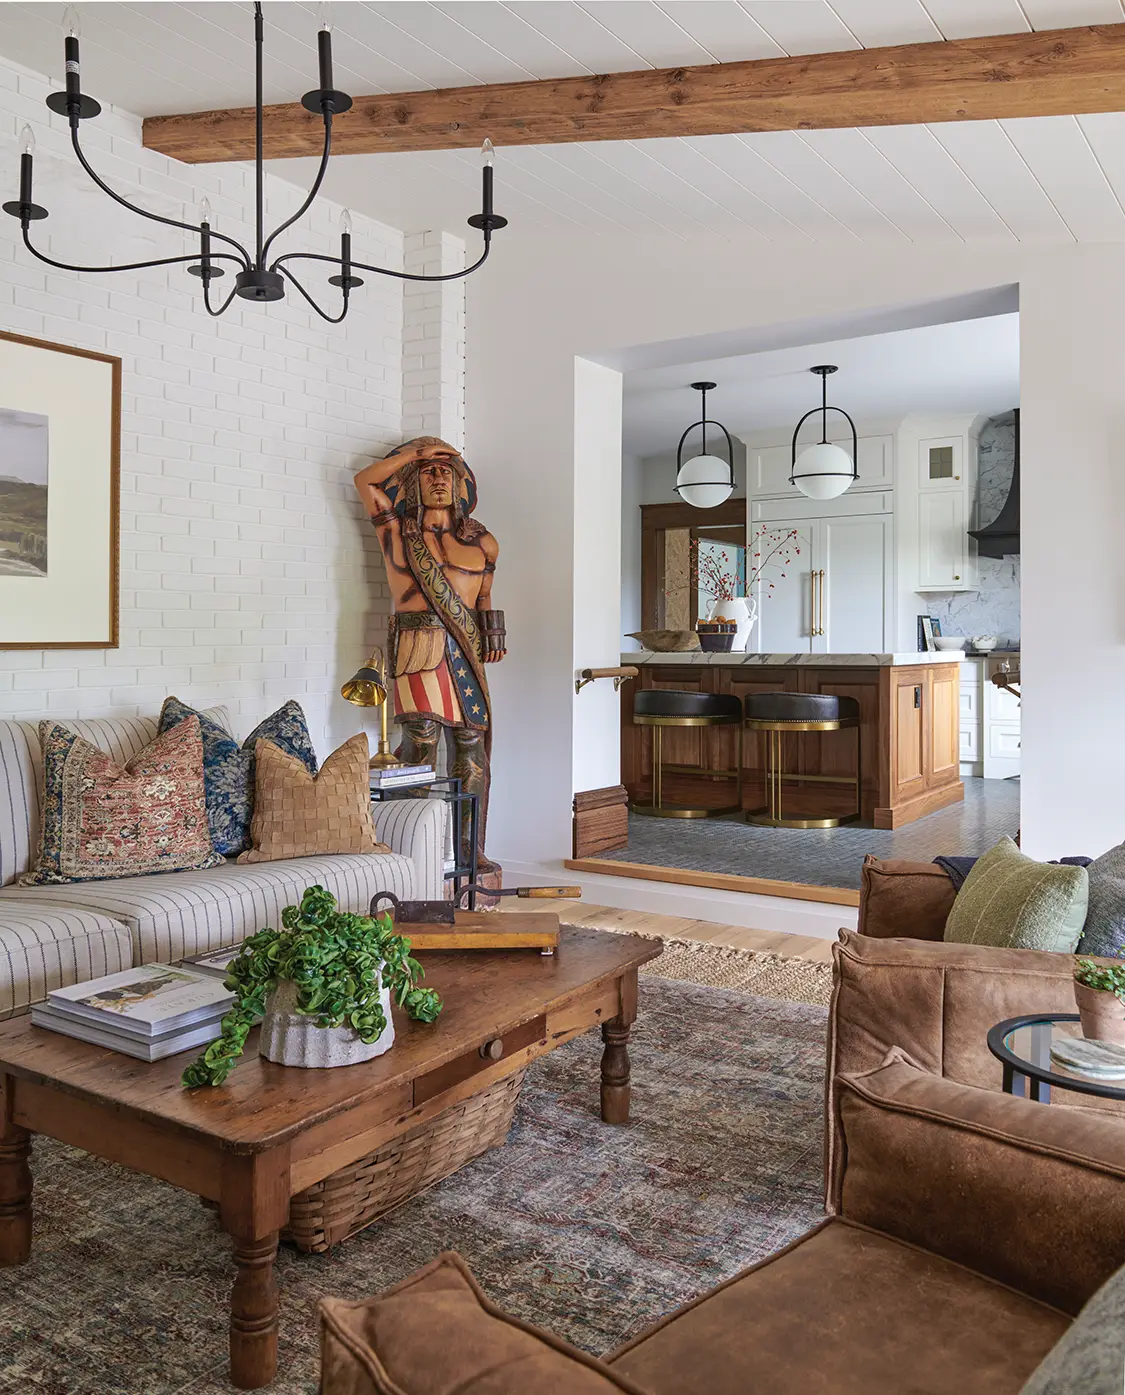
(1011, 901)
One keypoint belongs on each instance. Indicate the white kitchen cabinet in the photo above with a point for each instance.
(971, 723)
(837, 595)
(1001, 736)
(945, 562)
(946, 483)
(768, 467)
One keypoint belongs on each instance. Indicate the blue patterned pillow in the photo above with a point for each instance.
(228, 769)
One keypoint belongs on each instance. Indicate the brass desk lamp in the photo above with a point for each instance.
(368, 688)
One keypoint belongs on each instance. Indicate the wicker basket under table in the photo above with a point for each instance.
(352, 1198)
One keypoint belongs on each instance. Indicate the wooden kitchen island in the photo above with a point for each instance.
(909, 724)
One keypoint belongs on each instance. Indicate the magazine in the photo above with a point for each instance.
(216, 962)
(143, 1048)
(149, 1001)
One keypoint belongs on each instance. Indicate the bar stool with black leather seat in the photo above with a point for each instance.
(778, 713)
(659, 708)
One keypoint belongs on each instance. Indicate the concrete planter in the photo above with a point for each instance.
(1102, 1014)
(293, 1039)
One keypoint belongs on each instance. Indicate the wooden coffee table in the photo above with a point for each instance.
(271, 1131)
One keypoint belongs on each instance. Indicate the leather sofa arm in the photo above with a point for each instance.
(936, 1002)
(1028, 1194)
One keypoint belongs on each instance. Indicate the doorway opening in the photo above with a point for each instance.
(884, 601)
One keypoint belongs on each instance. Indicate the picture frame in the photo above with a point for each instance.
(60, 495)
(928, 627)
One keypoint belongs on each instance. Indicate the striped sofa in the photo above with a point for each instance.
(51, 936)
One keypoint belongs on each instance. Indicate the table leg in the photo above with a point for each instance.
(15, 1182)
(615, 1071)
(253, 1313)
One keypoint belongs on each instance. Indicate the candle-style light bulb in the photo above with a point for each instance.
(205, 211)
(346, 223)
(27, 141)
(324, 16)
(488, 154)
(72, 23)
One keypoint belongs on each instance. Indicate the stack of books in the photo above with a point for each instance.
(397, 777)
(150, 1012)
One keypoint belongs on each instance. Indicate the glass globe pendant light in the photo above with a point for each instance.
(825, 470)
(705, 480)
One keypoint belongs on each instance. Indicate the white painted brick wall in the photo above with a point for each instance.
(248, 571)
(433, 339)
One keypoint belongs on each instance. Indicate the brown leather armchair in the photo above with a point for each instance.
(966, 1231)
(897, 983)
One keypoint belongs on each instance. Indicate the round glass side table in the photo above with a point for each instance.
(1022, 1045)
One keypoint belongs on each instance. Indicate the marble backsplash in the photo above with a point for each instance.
(993, 609)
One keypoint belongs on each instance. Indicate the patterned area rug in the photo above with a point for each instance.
(749, 971)
(591, 1231)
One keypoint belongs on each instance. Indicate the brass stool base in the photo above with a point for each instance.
(767, 820)
(674, 811)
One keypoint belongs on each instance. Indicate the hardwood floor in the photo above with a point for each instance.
(680, 928)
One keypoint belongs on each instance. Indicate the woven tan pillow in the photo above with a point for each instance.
(301, 815)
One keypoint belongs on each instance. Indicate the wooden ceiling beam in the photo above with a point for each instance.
(1056, 72)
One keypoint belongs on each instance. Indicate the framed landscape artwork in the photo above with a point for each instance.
(60, 446)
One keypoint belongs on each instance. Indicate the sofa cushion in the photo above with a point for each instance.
(437, 1334)
(301, 815)
(904, 899)
(44, 947)
(101, 819)
(184, 913)
(228, 768)
(21, 775)
(846, 1311)
(1104, 932)
(1011, 901)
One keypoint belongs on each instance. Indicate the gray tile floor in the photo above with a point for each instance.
(824, 856)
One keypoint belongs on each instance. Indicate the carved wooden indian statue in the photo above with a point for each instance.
(440, 563)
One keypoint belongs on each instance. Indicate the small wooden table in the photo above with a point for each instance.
(271, 1131)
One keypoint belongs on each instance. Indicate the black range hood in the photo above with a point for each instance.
(1002, 536)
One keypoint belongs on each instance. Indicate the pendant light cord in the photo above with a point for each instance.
(259, 170)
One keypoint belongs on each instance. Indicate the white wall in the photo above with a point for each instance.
(597, 571)
(248, 572)
(631, 482)
(592, 299)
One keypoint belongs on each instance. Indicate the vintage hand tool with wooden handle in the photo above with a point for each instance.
(440, 925)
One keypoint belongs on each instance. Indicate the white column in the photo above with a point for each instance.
(433, 341)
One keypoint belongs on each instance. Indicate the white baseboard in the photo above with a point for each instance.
(776, 913)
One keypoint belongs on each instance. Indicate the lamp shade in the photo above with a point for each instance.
(368, 686)
(823, 471)
(704, 481)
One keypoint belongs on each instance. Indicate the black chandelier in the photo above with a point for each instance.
(257, 277)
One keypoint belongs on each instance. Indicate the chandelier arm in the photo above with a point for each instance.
(143, 212)
(222, 308)
(382, 270)
(125, 266)
(317, 182)
(332, 319)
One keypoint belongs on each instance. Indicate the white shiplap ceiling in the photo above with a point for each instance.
(1040, 179)
(933, 370)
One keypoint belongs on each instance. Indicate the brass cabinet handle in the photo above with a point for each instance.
(812, 603)
(820, 610)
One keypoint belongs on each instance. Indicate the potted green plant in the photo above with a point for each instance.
(1099, 991)
(323, 986)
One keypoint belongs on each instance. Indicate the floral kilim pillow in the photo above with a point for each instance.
(228, 768)
(101, 820)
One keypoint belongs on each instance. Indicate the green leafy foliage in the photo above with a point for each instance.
(338, 962)
(1109, 978)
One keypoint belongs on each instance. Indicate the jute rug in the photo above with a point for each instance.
(591, 1231)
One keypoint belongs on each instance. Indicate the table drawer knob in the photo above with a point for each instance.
(493, 1050)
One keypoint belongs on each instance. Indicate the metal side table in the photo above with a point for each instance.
(463, 872)
(1022, 1045)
